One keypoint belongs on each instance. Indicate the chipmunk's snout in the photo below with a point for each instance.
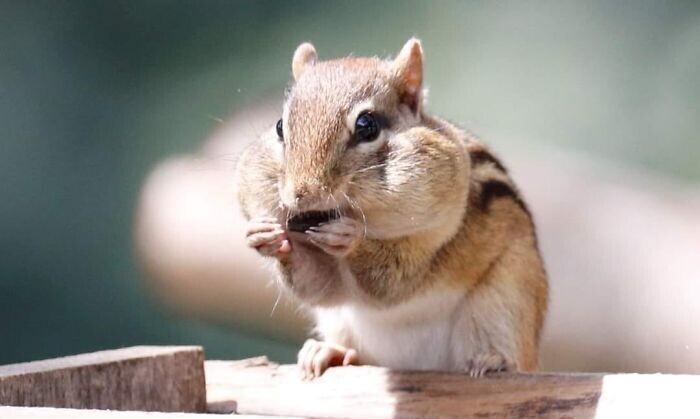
(305, 196)
(306, 192)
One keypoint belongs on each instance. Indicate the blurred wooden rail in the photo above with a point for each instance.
(169, 379)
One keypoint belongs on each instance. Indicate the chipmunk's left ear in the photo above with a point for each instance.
(408, 73)
(304, 56)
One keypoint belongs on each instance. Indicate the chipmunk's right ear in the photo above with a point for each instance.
(304, 56)
(408, 73)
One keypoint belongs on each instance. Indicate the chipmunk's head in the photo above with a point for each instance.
(338, 120)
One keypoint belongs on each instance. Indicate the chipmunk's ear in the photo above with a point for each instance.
(304, 56)
(408, 73)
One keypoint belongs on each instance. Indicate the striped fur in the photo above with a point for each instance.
(445, 272)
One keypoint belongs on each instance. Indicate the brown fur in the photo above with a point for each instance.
(439, 209)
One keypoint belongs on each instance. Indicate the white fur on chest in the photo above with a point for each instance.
(417, 334)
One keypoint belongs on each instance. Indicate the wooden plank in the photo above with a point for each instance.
(148, 378)
(55, 413)
(257, 386)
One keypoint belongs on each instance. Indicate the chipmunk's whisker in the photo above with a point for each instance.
(354, 204)
(375, 166)
(338, 212)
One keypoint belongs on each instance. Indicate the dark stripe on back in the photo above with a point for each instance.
(482, 156)
(495, 189)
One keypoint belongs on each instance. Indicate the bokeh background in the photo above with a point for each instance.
(93, 94)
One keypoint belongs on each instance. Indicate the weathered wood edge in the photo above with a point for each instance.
(59, 413)
(92, 358)
(256, 386)
(143, 378)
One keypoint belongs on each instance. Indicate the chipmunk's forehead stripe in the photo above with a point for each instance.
(339, 82)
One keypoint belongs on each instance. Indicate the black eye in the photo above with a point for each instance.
(280, 133)
(366, 128)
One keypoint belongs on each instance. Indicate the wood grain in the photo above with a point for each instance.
(166, 379)
(257, 386)
(54, 413)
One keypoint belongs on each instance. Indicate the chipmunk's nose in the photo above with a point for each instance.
(301, 192)
(302, 196)
(307, 195)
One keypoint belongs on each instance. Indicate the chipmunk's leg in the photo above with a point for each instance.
(338, 237)
(315, 357)
(486, 335)
(267, 236)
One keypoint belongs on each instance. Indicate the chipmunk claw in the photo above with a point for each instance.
(483, 364)
(338, 237)
(315, 357)
(267, 236)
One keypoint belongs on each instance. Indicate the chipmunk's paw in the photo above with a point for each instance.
(488, 362)
(338, 237)
(316, 357)
(267, 236)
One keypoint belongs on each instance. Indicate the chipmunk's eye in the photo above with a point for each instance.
(280, 132)
(366, 127)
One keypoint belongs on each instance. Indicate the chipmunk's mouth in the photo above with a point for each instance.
(305, 220)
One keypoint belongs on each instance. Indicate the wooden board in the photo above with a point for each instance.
(148, 378)
(257, 386)
(54, 413)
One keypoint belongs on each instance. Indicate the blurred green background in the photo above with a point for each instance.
(94, 93)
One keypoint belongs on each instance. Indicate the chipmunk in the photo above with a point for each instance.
(402, 233)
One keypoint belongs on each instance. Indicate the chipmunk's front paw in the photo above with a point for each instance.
(488, 362)
(315, 357)
(338, 237)
(267, 236)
